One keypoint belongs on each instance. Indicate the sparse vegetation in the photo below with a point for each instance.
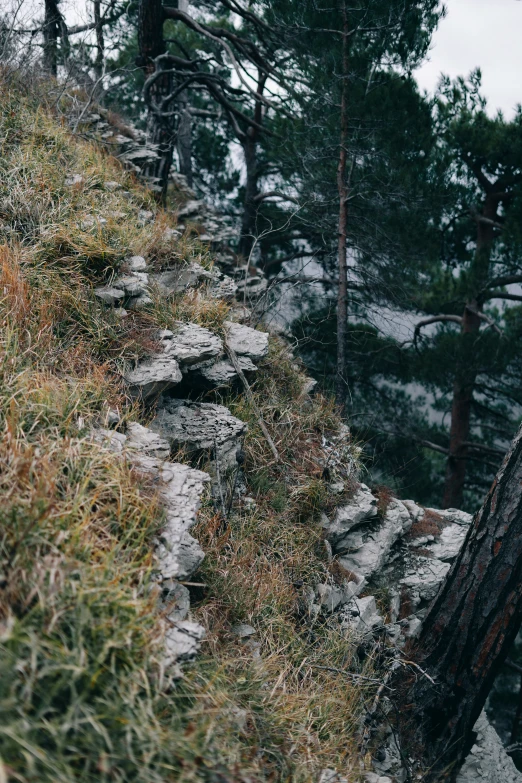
(82, 693)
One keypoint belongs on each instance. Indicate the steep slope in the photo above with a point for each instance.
(86, 690)
(194, 584)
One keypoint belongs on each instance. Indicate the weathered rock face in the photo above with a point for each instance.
(178, 279)
(182, 642)
(246, 341)
(488, 760)
(201, 427)
(153, 376)
(362, 540)
(410, 549)
(178, 554)
(190, 344)
(362, 508)
(222, 372)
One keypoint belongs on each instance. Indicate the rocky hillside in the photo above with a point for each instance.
(195, 584)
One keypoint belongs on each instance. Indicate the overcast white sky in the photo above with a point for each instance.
(485, 33)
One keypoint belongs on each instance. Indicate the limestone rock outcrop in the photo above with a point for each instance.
(177, 553)
(200, 428)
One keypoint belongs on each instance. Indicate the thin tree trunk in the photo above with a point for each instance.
(160, 130)
(463, 386)
(51, 32)
(466, 374)
(469, 629)
(342, 187)
(248, 220)
(184, 138)
(250, 204)
(100, 41)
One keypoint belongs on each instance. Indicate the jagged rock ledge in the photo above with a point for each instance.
(178, 554)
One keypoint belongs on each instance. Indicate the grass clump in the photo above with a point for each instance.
(83, 695)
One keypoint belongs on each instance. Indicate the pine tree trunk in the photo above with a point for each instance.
(342, 188)
(51, 31)
(461, 411)
(248, 220)
(100, 41)
(160, 130)
(466, 373)
(469, 629)
(250, 203)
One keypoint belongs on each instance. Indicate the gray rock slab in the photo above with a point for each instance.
(181, 487)
(200, 427)
(224, 289)
(448, 544)
(132, 285)
(139, 302)
(242, 630)
(422, 579)
(109, 295)
(362, 508)
(109, 439)
(368, 548)
(488, 760)
(361, 615)
(223, 372)
(136, 263)
(330, 596)
(146, 441)
(182, 642)
(174, 600)
(454, 515)
(153, 376)
(246, 341)
(178, 279)
(190, 344)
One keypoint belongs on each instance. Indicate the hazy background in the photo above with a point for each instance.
(484, 33)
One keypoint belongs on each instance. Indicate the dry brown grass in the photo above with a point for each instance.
(81, 692)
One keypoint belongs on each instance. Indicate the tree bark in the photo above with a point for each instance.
(250, 205)
(342, 188)
(160, 129)
(466, 374)
(463, 386)
(51, 32)
(469, 629)
(100, 41)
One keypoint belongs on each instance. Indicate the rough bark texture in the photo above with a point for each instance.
(470, 626)
(100, 41)
(51, 31)
(160, 129)
(342, 187)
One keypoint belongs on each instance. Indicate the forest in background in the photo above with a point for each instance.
(385, 225)
(387, 222)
